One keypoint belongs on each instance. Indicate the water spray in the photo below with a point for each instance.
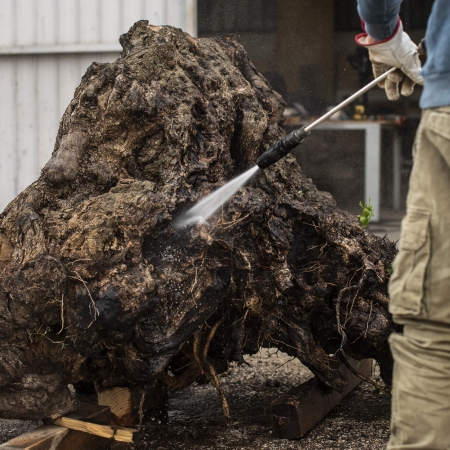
(206, 207)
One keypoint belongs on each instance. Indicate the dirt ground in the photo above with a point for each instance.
(360, 422)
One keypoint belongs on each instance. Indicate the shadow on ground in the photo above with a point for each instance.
(196, 422)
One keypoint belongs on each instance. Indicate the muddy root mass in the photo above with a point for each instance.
(96, 287)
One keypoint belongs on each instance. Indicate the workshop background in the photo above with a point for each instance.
(305, 48)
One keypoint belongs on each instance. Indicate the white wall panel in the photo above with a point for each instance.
(26, 23)
(7, 23)
(68, 19)
(132, 11)
(176, 13)
(90, 18)
(68, 79)
(8, 143)
(111, 20)
(48, 109)
(191, 17)
(26, 122)
(45, 48)
(46, 22)
(155, 12)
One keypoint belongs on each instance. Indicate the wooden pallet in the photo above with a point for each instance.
(300, 409)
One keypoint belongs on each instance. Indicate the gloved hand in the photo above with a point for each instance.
(397, 51)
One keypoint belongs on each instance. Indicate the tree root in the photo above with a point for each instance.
(361, 376)
(341, 327)
(100, 232)
(206, 368)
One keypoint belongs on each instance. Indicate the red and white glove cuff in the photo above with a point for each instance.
(361, 39)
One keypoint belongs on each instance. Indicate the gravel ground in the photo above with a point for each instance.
(360, 422)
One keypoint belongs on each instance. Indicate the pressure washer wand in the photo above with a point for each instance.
(288, 143)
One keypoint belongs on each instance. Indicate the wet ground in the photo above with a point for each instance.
(196, 421)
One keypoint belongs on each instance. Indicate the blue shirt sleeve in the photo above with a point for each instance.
(380, 17)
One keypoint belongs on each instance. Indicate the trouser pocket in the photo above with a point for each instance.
(406, 286)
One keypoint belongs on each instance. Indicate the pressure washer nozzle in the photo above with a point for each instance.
(281, 148)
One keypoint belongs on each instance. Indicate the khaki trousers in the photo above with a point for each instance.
(420, 296)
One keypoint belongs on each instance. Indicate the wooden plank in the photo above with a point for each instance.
(53, 437)
(42, 438)
(117, 433)
(300, 409)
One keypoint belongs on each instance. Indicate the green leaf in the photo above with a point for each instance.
(367, 213)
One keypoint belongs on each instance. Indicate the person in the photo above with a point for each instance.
(420, 284)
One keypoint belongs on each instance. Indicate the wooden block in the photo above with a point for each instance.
(119, 400)
(52, 437)
(296, 412)
(129, 407)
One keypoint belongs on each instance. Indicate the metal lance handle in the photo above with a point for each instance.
(288, 143)
(281, 148)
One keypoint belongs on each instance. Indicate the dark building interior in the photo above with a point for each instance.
(306, 49)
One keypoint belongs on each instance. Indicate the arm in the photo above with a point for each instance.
(389, 46)
(380, 17)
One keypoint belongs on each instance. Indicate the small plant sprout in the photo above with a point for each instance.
(390, 269)
(367, 213)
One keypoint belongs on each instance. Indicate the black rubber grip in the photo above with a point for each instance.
(281, 148)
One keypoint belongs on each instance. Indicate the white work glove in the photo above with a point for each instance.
(398, 51)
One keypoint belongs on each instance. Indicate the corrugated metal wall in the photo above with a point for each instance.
(45, 48)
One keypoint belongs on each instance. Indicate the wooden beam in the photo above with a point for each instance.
(52, 437)
(300, 409)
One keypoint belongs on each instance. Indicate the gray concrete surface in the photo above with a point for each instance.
(388, 225)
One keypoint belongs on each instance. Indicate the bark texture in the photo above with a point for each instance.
(97, 289)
